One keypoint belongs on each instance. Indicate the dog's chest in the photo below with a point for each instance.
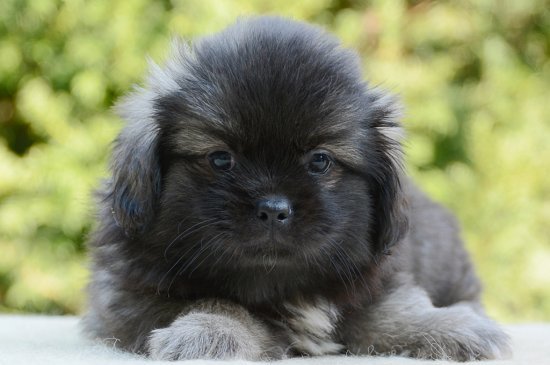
(312, 327)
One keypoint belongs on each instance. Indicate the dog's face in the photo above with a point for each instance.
(259, 149)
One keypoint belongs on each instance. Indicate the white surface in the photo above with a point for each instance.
(42, 340)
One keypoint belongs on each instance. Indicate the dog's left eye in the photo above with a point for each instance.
(221, 160)
(319, 163)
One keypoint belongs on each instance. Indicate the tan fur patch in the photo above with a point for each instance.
(312, 326)
(195, 141)
(345, 152)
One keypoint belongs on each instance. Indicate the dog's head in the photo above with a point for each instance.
(260, 144)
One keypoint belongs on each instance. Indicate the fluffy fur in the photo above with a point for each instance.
(183, 267)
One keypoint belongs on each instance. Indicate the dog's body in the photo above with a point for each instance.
(257, 209)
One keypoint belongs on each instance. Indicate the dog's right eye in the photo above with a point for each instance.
(221, 160)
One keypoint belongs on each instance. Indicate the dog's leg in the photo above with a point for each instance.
(405, 322)
(171, 329)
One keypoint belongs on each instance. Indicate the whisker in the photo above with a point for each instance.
(210, 242)
(354, 271)
(335, 266)
(194, 257)
(269, 267)
(350, 270)
(188, 232)
(182, 256)
(175, 264)
(225, 251)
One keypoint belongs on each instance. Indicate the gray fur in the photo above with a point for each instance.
(405, 322)
(432, 309)
(312, 327)
(375, 267)
(211, 330)
(135, 164)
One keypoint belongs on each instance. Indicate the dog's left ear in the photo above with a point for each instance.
(385, 169)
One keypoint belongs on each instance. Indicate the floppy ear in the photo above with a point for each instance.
(135, 184)
(134, 188)
(385, 170)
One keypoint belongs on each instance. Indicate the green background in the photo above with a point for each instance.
(474, 76)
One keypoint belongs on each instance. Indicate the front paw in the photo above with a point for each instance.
(204, 336)
(468, 337)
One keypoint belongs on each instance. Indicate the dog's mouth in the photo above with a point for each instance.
(268, 250)
(269, 243)
(261, 245)
(268, 260)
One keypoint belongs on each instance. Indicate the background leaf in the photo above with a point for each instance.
(474, 75)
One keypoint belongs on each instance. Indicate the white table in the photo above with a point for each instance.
(45, 340)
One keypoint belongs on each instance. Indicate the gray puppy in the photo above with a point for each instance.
(257, 210)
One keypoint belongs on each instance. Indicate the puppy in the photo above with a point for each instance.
(257, 210)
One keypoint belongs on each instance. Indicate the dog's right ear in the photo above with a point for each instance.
(134, 187)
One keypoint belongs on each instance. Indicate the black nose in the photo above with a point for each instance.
(274, 209)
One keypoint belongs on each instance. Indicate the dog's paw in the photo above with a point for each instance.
(469, 337)
(204, 336)
(482, 341)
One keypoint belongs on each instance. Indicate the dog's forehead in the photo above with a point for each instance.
(277, 87)
(272, 135)
(273, 121)
(266, 139)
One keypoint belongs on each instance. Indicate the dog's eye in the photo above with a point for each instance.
(221, 160)
(319, 163)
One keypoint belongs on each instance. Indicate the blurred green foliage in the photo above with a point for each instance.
(474, 75)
